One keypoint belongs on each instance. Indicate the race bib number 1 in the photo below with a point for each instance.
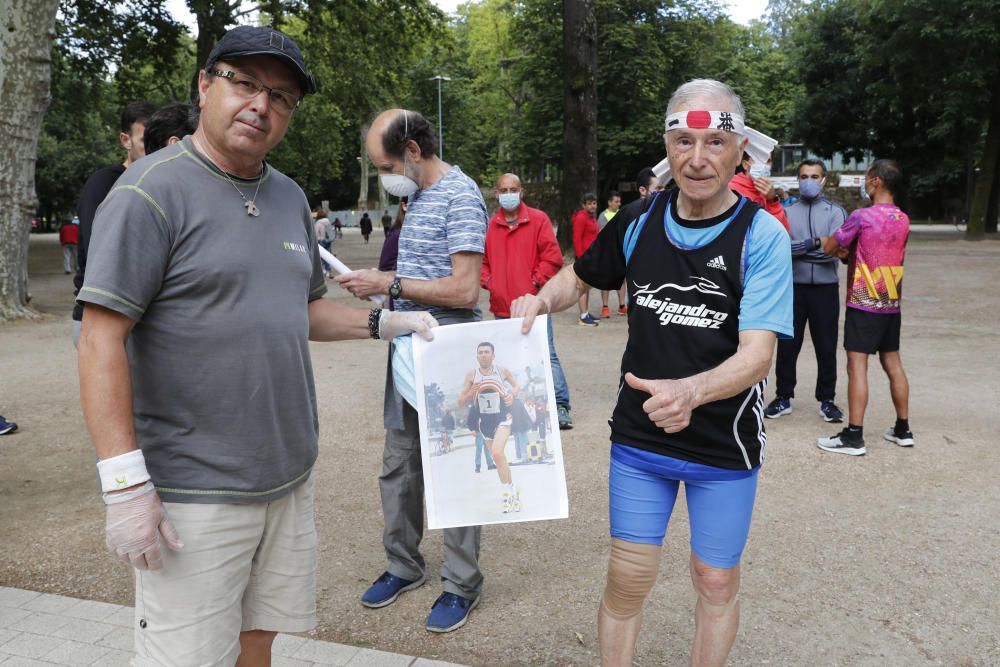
(489, 404)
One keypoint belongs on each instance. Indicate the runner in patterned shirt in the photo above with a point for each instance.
(874, 240)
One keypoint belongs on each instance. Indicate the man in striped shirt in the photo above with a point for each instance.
(437, 271)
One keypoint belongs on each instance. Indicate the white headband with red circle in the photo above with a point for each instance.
(759, 145)
(726, 121)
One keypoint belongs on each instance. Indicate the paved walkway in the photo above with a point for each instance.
(39, 629)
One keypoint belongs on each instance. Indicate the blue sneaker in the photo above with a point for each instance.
(587, 320)
(6, 426)
(779, 406)
(387, 588)
(450, 612)
(831, 412)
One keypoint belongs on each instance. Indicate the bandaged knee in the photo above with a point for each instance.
(632, 572)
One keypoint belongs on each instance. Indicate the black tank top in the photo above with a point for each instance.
(684, 309)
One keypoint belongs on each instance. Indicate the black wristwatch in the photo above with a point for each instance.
(395, 288)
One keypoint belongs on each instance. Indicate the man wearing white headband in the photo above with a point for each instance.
(709, 276)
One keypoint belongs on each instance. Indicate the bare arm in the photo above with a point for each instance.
(105, 381)
(515, 388)
(332, 321)
(459, 290)
(558, 294)
(466, 393)
(834, 249)
(136, 521)
(672, 401)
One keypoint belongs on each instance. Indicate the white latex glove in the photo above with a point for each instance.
(393, 323)
(135, 522)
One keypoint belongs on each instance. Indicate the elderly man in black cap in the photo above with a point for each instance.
(206, 444)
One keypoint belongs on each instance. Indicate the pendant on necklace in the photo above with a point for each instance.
(251, 208)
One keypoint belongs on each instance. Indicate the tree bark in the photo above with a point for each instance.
(579, 165)
(363, 165)
(214, 17)
(987, 172)
(27, 29)
(993, 207)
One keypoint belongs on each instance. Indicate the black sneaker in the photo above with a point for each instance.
(6, 426)
(565, 421)
(844, 442)
(777, 407)
(831, 412)
(901, 438)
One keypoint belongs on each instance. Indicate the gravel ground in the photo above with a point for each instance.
(888, 559)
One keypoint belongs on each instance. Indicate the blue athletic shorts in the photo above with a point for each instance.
(643, 487)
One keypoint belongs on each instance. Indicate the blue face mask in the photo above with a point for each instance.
(864, 192)
(510, 201)
(759, 170)
(809, 188)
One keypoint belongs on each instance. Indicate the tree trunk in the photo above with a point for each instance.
(579, 111)
(363, 164)
(383, 196)
(993, 207)
(27, 28)
(214, 17)
(987, 170)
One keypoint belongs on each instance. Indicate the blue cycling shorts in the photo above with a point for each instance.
(643, 488)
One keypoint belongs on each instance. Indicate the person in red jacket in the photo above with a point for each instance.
(751, 181)
(69, 237)
(521, 255)
(585, 230)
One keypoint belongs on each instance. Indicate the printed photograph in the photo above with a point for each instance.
(488, 426)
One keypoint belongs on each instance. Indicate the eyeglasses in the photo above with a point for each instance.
(250, 87)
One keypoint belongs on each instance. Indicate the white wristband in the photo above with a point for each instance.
(122, 471)
(125, 496)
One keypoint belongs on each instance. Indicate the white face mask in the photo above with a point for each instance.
(759, 170)
(399, 185)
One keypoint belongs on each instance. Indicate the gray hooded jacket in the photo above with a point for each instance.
(808, 221)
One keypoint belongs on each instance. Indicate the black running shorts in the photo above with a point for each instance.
(871, 332)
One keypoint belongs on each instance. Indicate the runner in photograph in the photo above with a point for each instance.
(493, 391)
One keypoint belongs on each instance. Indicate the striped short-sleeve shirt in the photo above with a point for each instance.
(448, 217)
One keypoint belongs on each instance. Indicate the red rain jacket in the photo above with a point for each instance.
(743, 184)
(517, 257)
(585, 230)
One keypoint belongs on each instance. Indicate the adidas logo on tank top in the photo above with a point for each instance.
(717, 263)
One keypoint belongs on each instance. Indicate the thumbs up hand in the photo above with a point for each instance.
(670, 403)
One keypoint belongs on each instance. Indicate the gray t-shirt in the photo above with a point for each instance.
(223, 395)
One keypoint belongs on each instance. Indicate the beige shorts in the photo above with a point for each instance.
(243, 567)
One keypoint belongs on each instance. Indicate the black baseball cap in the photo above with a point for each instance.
(251, 40)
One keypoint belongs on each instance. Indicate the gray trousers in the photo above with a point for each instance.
(402, 487)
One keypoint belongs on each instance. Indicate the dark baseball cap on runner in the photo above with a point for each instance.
(249, 40)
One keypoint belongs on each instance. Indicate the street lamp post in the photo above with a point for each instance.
(439, 79)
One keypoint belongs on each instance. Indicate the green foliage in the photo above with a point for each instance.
(361, 54)
(907, 79)
(106, 53)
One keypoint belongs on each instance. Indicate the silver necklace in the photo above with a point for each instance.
(248, 204)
